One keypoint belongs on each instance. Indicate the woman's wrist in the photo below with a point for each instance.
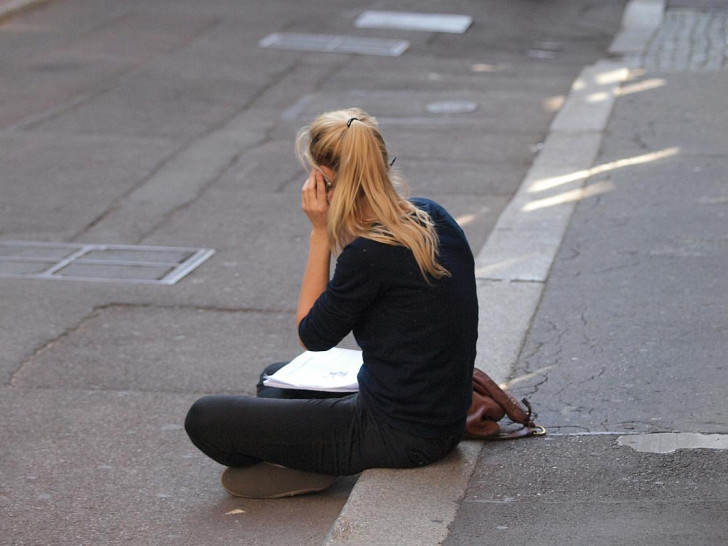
(317, 272)
(319, 235)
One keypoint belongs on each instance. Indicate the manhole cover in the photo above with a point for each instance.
(452, 107)
(104, 263)
(432, 22)
(334, 44)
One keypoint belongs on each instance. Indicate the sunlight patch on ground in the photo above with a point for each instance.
(554, 181)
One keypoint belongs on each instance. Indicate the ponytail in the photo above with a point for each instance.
(365, 202)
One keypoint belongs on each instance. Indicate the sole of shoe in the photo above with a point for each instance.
(270, 481)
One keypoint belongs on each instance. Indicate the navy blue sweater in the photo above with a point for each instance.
(418, 339)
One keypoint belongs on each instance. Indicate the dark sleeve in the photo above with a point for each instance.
(347, 296)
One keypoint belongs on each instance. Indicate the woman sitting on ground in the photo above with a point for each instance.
(404, 284)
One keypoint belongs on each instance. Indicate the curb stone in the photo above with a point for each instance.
(640, 21)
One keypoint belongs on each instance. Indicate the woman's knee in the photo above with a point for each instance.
(200, 417)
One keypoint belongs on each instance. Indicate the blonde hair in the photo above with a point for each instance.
(366, 202)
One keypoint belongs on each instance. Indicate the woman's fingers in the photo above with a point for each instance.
(313, 199)
(314, 190)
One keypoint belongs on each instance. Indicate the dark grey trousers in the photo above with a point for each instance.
(336, 436)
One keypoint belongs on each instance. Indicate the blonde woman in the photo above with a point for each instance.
(404, 284)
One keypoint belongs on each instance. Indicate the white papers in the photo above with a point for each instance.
(334, 370)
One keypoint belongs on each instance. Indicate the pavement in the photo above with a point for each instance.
(590, 180)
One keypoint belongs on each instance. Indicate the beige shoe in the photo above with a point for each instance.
(272, 481)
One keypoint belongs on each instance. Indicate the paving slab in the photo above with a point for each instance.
(86, 58)
(61, 83)
(41, 313)
(56, 187)
(175, 184)
(79, 466)
(34, 15)
(134, 35)
(150, 103)
(162, 350)
(225, 53)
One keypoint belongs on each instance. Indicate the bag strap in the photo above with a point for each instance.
(518, 412)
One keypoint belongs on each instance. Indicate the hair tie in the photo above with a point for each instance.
(348, 123)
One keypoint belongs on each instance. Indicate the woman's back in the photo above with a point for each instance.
(418, 335)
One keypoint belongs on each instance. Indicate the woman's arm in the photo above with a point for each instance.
(314, 202)
(316, 275)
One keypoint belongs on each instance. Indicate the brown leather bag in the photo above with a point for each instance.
(490, 405)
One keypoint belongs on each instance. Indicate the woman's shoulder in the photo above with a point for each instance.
(444, 222)
(425, 204)
(436, 211)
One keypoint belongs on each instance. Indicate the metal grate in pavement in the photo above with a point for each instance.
(100, 263)
(334, 44)
(432, 22)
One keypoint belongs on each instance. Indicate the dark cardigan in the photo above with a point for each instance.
(418, 338)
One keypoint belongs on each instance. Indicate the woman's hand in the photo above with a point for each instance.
(315, 203)
(315, 200)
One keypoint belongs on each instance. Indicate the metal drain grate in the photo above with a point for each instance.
(432, 22)
(101, 263)
(334, 44)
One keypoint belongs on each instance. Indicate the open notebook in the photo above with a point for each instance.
(334, 370)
